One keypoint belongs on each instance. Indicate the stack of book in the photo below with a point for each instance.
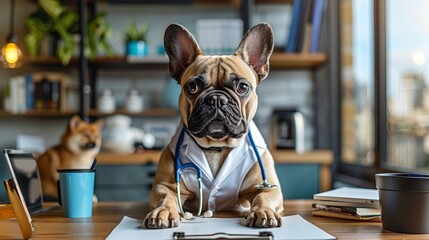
(40, 91)
(348, 203)
(305, 27)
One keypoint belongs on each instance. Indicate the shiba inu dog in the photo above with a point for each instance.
(77, 149)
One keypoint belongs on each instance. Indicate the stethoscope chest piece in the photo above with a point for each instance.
(266, 185)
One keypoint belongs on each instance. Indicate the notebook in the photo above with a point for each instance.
(347, 196)
(23, 167)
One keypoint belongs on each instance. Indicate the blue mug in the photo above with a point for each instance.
(75, 192)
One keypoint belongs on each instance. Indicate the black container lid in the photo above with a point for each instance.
(402, 182)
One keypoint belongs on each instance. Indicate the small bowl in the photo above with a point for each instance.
(404, 201)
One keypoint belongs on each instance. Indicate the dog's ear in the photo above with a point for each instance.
(256, 48)
(74, 123)
(99, 123)
(181, 48)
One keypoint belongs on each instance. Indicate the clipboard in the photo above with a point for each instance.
(20, 210)
(222, 235)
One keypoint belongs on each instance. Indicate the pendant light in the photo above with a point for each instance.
(11, 54)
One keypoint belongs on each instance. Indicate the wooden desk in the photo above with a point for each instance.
(107, 215)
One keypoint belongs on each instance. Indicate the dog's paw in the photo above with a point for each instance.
(263, 218)
(162, 217)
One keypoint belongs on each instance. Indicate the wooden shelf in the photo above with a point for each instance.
(273, 1)
(297, 60)
(138, 63)
(154, 112)
(48, 61)
(278, 60)
(147, 156)
(324, 157)
(44, 113)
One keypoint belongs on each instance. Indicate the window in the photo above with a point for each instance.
(357, 82)
(383, 88)
(407, 36)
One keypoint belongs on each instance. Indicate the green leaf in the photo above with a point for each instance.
(68, 19)
(32, 42)
(52, 7)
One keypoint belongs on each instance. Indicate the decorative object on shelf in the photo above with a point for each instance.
(39, 91)
(134, 101)
(106, 102)
(119, 136)
(219, 36)
(136, 44)
(11, 54)
(52, 18)
(99, 32)
(288, 130)
(148, 140)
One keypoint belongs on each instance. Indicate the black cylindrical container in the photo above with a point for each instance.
(404, 201)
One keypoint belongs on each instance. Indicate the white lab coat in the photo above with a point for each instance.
(220, 193)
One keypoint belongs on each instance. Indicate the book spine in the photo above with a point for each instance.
(13, 90)
(294, 26)
(317, 24)
(21, 99)
(29, 92)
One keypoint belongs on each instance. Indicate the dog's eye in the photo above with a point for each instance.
(242, 88)
(192, 87)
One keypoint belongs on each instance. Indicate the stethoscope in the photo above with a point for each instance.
(178, 167)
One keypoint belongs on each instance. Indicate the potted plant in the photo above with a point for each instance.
(52, 19)
(98, 35)
(136, 44)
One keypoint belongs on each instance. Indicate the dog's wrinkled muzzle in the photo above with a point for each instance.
(89, 145)
(217, 114)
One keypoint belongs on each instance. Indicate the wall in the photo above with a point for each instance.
(284, 88)
(281, 89)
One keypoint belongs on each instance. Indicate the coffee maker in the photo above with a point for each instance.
(288, 130)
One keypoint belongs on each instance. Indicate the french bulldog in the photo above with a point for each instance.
(217, 103)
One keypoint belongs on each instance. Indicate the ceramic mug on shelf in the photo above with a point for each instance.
(137, 48)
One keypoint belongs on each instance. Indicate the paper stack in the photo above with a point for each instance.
(348, 203)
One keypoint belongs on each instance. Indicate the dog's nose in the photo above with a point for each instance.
(90, 145)
(218, 100)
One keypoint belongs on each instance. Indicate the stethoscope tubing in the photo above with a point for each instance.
(178, 166)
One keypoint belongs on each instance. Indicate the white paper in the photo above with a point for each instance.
(294, 227)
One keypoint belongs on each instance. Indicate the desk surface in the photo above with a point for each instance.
(107, 215)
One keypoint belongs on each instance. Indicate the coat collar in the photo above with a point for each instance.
(191, 152)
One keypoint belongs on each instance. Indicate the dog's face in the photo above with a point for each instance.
(218, 98)
(82, 136)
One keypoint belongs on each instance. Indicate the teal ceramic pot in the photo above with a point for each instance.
(137, 48)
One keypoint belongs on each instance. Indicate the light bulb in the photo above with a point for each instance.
(11, 55)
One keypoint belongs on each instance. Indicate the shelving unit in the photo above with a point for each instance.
(155, 112)
(44, 113)
(89, 69)
(278, 61)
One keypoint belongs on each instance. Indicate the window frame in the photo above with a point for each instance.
(354, 174)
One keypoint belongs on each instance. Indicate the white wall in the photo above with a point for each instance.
(281, 89)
